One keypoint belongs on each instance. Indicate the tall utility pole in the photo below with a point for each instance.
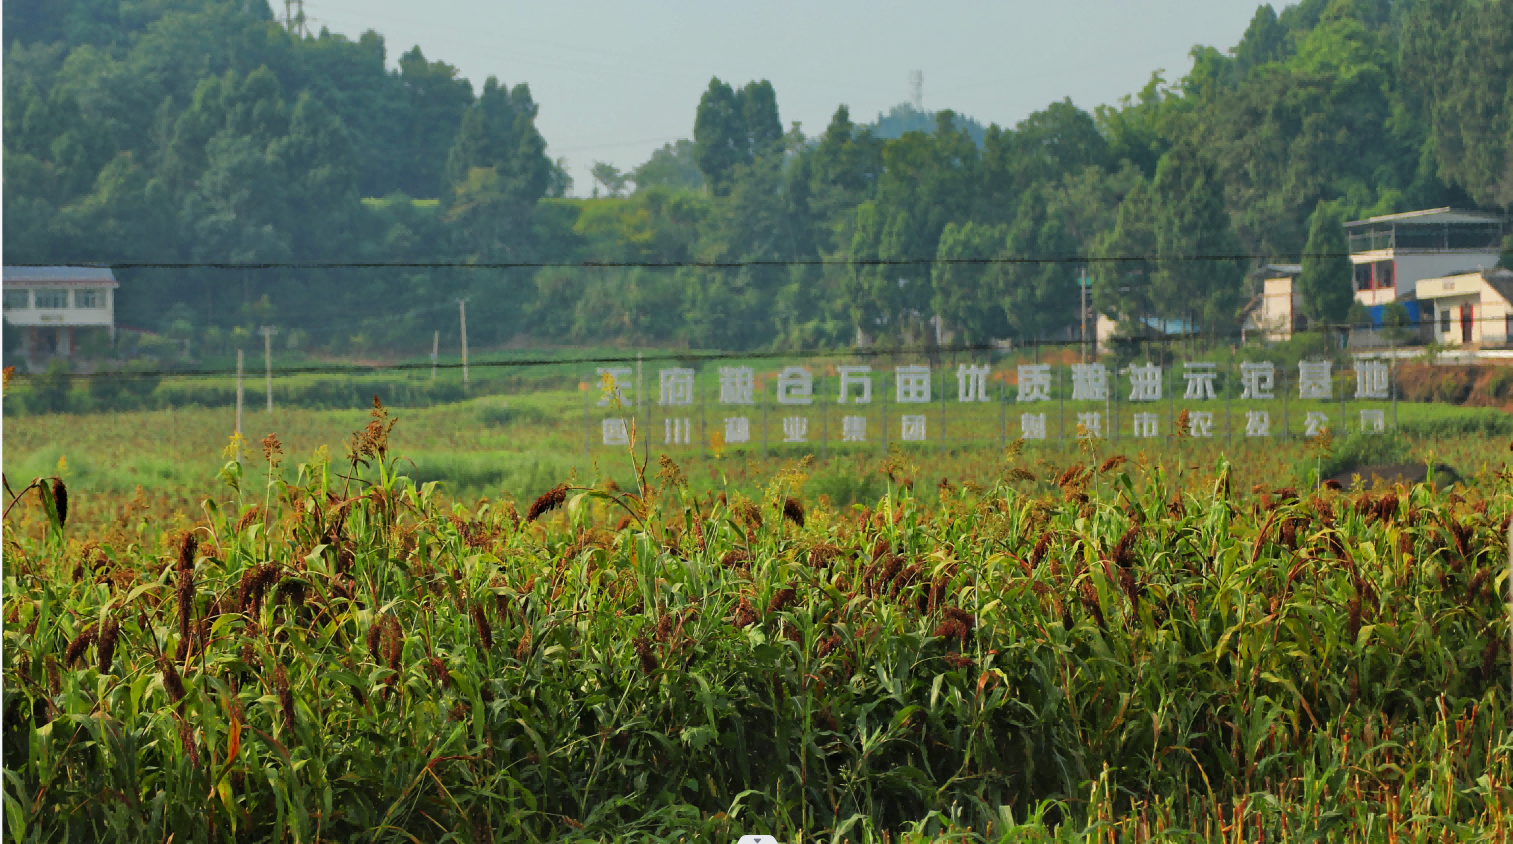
(435, 347)
(1082, 288)
(268, 331)
(462, 316)
(240, 359)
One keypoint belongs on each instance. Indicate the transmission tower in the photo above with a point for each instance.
(294, 16)
(917, 89)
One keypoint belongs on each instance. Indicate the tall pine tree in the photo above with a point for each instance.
(1326, 284)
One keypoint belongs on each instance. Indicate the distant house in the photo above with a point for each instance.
(1469, 308)
(52, 304)
(1391, 254)
(1154, 328)
(1278, 311)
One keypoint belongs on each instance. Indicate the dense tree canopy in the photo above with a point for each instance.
(204, 131)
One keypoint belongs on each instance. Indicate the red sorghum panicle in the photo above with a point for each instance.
(1353, 607)
(394, 644)
(1124, 551)
(439, 671)
(60, 499)
(549, 501)
(105, 648)
(750, 515)
(1041, 547)
(293, 590)
(1089, 596)
(959, 661)
(173, 684)
(745, 616)
(781, 600)
(793, 511)
(1473, 589)
(285, 695)
(951, 628)
(1069, 475)
(644, 653)
(828, 645)
(821, 555)
(481, 623)
(523, 649)
(186, 737)
(79, 644)
(967, 621)
(734, 557)
(375, 639)
(1131, 589)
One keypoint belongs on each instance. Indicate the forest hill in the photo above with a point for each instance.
(258, 146)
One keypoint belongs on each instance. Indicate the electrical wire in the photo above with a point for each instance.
(1067, 258)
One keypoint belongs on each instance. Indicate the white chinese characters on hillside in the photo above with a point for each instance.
(1257, 380)
(855, 376)
(1145, 382)
(676, 387)
(1089, 382)
(1373, 379)
(914, 428)
(1313, 380)
(913, 384)
(1034, 382)
(614, 381)
(737, 429)
(853, 429)
(740, 387)
(972, 382)
(1200, 380)
(616, 432)
(737, 385)
(1032, 426)
(795, 385)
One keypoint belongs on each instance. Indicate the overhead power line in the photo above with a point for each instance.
(1070, 258)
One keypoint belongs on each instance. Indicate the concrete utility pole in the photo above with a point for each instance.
(435, 347)
(1082, 288)
(268, 331)
(462, 315)
(240, 359)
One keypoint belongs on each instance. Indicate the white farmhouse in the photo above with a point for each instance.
(1470, 308)
(50, 304)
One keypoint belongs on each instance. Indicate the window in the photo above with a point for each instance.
(1384, 274)
(17, 299)
(89, 298)
(1444, 321)
(52, 298)
(1362, 276)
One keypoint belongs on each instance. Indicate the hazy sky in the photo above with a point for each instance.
(617, 80)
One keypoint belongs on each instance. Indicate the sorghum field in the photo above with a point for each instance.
(1083, 647)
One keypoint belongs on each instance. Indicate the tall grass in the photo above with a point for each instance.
(334, 654)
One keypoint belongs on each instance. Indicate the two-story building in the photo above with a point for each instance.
(51, 304)
(1391, 254)
(1278, 310)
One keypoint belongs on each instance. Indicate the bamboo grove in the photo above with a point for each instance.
(1110, 651)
